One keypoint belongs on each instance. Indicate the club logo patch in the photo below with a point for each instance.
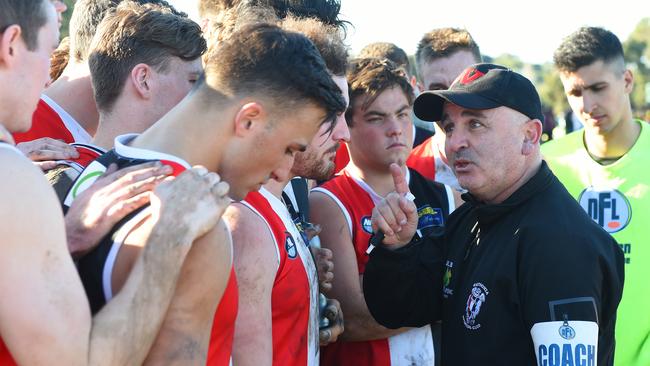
(475, 301)
(366, 224)
(609, 208)
(429, 217)
(290, 246)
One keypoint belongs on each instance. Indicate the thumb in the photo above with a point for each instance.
(399, 179)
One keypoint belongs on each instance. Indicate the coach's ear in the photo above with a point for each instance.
(8, 43)
(250, 116)
(532, 135)
(141, 79)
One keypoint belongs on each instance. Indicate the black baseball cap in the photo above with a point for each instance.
(482, 86)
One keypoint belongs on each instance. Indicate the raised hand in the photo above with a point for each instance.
(396, 215)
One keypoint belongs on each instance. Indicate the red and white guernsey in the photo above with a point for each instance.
(5, 356)
(342, 158)
(356, 199)
(294, 298)
(50, 120)
(96, 267)
(63, 176)
(423, 159)
(87, 153)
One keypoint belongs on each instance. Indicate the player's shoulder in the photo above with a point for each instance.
(21, 178)
(28, 200)
(244, 218)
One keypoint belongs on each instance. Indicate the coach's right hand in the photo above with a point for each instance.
(396, 215)
(191, 203)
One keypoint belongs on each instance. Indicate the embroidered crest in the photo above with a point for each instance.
(475, 301)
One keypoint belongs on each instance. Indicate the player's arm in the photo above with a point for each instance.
(185, 334)
(44, 314)
(184, 209)
(256, 263)
(45, 151)
(347, 283)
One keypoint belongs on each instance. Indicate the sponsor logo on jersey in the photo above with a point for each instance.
(475, 301)
(565, 343)
(290, 245)
(366, 224)
(429, 217)
(301, 230)
(609, 208)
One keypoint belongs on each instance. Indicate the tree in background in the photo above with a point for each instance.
(66, 18)
(637, 55)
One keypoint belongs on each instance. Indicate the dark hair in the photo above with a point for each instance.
(262, 59)
(369, 77)
(327, 39)
(327, 11)
(386, 50)
(443, 42)
(30, 15)
(134, 34)
(87, 15)
(586, 46)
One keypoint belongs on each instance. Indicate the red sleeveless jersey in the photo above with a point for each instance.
(423, 160)
(294, 298)
(356, 201)
(342, 158)
(223, 327)
(47, 122)
(96, 267)
(5, 356)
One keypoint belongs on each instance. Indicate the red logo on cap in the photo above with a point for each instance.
(470, 75)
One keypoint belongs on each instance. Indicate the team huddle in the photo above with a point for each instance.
(244, 192)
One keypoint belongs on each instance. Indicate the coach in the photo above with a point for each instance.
(522, 275)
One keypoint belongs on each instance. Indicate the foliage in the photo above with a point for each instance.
(547, 80)
(637, 55)
(66, 18)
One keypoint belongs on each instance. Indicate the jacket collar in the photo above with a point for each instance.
(489, 213)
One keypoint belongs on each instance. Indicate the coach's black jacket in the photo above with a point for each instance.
(499, 270)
